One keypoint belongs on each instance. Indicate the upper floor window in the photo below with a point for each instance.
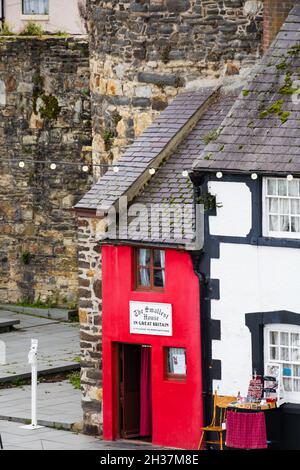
(282, 346)
(150, 269)
(282, 208)
(35, 7)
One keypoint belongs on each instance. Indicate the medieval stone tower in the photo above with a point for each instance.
(144, 52)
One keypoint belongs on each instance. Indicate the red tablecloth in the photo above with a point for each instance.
(246, 430)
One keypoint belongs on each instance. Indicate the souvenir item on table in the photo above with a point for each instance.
(255, 390)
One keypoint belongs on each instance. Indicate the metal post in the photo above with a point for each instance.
(32, 359)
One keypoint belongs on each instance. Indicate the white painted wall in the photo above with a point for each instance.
(234, 200)
(252, 279)
(63, 16)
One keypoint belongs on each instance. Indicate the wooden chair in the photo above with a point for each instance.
(221, 404)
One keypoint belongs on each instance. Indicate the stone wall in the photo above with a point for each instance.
(144, 52)
(90, 304)
(44, 118)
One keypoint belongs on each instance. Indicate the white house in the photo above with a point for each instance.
(52, 15)
(251, 259)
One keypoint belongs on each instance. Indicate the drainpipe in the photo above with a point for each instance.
(206, 353)
(2, 12)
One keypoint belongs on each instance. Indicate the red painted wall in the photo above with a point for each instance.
(177, 406)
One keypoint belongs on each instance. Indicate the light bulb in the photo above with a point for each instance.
(115, 169)
(185, 173)
(21, 164)
(53, 166)
(85, 168)
(219, 175)
(290, 177)
(254, 176)
(152, 171)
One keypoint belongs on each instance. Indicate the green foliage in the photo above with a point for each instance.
(26, 257)
(74, 379)
(246, 92)
(208, 201)
(32, 29)
(108, 135)
(5, 30)
(284, 116)
(287, 88)
(210, 137)
(208, 156)
(62, 34)
(282, 65)
(51, 109)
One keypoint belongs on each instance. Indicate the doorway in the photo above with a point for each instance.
(135, 397)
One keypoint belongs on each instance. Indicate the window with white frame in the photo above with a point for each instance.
(282, 346)
(282, 207)
(35, 7)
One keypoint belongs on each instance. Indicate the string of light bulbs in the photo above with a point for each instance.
(114, 167)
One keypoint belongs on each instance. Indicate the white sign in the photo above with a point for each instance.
(149, 318)
(179, 365)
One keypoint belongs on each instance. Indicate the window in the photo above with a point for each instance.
(175, 363)
(150, 269)
(282, 208)
(282, 346)
(35, 7)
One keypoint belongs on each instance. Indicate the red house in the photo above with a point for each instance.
(156, 368)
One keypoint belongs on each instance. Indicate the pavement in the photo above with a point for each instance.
(16, 438)
(58, 405)
(59, 345)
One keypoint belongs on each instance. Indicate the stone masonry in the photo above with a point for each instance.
(90, 303)
(44, 118)
(144, 52)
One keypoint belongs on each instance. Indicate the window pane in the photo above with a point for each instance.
(287, 384)
(294, 188)
(295, 340)
(271, 187)
(35, 7)
(284, 354)
(296, 384)
(274, 223)
(273, 205)
(284, 339)
(295, 355)
(144, 257)
(274, 354)
(159, 278)
(295, 224)
(274, 337)
(284, 206)
(284, 224)
(176, 358)
(159, 258)
(296, 371)
(282, 187)
(295, 206)
(144, 277)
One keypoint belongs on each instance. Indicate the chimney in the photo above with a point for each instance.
(275, 14)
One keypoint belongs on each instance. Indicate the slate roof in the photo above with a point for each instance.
(144, 152)
(168, 187)
(262, 131)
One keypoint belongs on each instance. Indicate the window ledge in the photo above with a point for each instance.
(35, 17)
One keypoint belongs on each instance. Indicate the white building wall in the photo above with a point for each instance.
(63, 16)
(252, 279)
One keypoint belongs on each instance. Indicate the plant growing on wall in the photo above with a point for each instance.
(32, 29)
(26, 257)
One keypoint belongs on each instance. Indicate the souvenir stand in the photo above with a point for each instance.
(253, 422)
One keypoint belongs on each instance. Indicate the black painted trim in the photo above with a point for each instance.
(256, 323)
(215, 329)
(216, 370)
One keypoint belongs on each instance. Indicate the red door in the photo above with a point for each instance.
(130, 372)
